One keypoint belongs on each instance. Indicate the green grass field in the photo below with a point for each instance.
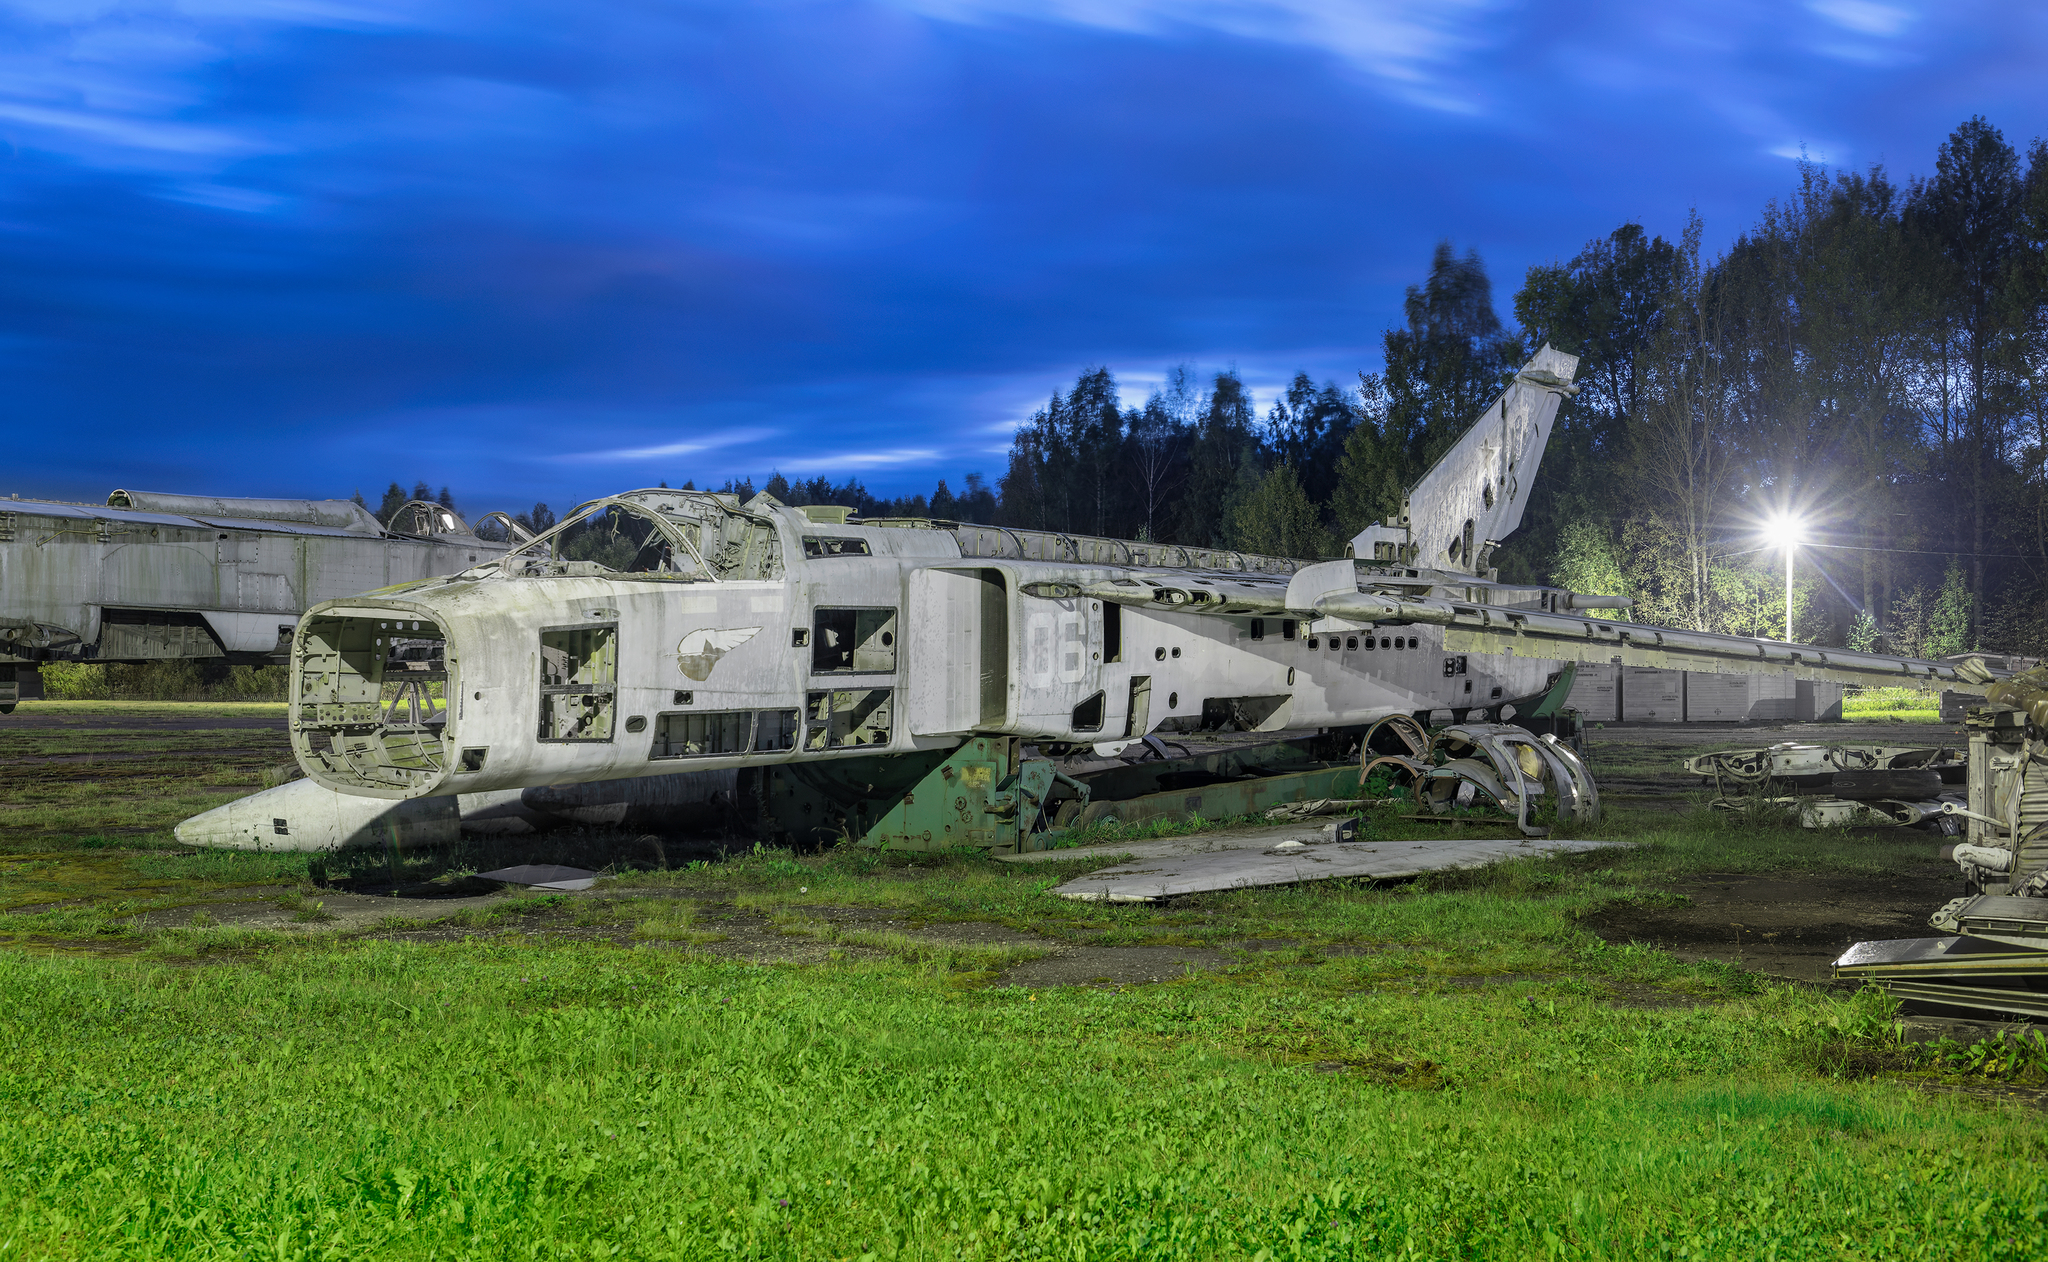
(1453, 1068)
(1902, 705)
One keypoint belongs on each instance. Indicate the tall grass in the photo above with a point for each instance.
(179, 680)
(513, 1099)
(1891, 700)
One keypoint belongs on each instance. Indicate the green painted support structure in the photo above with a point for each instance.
(984, 794)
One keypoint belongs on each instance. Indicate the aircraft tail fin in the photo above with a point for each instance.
(1475, 494)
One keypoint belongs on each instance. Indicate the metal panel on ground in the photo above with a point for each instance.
(1652, 696)
(1147, 880)
(1593, 694)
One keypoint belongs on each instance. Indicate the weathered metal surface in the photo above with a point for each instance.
(1997, 960)
(335, 514)
(1152, 879)
(1474, 495)
(1832, 767)
(981, 794)
(304, 816)
(1955, 971)
(840, 666)
(1843, 786)
(544, 876)
(1225, 799)
(156, 576)
(1255, 837)
(1557, 637)
(1499, 765)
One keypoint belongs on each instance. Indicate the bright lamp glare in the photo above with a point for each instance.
(1786, 531)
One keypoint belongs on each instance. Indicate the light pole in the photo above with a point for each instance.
(1790, 532)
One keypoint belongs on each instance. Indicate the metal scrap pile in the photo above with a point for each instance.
(1841, 786)
(1996, 955)
(1499, 765)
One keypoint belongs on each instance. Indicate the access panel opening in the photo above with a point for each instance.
(370, 703)
(579, 681)
(853, 641)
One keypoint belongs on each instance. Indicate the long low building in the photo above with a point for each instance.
(1635, 694)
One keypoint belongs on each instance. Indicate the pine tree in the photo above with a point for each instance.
(1369, 469)
(1307, 428)
(1971, 213)
(1277, 518)
(1224, 447)
(394, 499)
(977, 501)
(1451, 360)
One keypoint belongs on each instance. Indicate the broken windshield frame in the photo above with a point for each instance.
(662, 550)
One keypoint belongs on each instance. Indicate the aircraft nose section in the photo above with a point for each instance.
(369, 700)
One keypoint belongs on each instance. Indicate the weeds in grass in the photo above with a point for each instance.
(492, 914)
(2007, 1056)
(508, 1093)
(923, 953)
(191, 942)
(675, 922)
(225, 867)
(426, 1114)
(1859, 700)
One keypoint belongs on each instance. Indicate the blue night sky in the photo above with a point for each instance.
(544, 250)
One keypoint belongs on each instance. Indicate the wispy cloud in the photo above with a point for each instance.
(685, 447)
(1405, 43)
(130, 132)
(117, 86)
(1864, 16)
(843, 461)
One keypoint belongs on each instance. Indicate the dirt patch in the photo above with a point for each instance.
(274, 908)
(1784, 925)
(1115, 966)
(1630, 995)
(1480, 981)
(17, 761)
(157, 721)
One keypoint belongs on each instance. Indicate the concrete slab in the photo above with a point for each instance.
(1147, 880)
(1263, 837)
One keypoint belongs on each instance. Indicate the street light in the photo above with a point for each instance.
(1789, 532)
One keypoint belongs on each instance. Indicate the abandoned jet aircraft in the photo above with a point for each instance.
(153, 576)
(846, 669)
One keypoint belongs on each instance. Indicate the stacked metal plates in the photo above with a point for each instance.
(1996, 962)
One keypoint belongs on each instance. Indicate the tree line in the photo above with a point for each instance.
(1869, 358)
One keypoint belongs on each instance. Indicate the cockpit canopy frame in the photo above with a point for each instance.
(661, 535)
